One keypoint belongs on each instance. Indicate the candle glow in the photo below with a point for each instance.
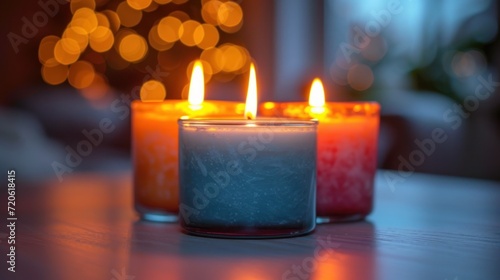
(251, 101)
(317, 97)
(196, 86)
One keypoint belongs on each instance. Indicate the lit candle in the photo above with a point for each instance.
(347, 152)
(155, 144)
(248, 177)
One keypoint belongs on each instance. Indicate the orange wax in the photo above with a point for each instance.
(347, 153)
(155, 149)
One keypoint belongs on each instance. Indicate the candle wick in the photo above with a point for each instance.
(249, 116)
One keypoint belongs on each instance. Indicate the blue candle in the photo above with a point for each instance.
(247, 178)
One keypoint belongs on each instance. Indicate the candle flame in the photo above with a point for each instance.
(317, 96)
(196, 86)
(251, 102)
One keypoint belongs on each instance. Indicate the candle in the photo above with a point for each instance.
(155, 145)
(247, 178)
(347, 152)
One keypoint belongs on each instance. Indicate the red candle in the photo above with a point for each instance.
(347, 152)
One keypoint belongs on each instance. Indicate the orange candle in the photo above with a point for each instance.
(155, 146)
(347, 152)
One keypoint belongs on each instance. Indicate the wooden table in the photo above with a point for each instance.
(427, 227)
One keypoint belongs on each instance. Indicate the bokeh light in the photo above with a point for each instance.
(85, 18)
(152, 7)
(209, 11)
(186, 32)
(156, 41)
(81, 74)
(376, 50)
(133, 47)
(79, 35)
(129, 16)
(139, 4)
(153, 91)
(55, 73)
(98, 38)
(234, 58)
(102, 20)
(101, 39)
(97, 89)
(360, 77)
(114, 20)
(230, 16)
(46, 50)
(168, 29)
(122, 34)
(466, 64)
(206, 36)
(74, 5)
(66, 51)
(214, 57)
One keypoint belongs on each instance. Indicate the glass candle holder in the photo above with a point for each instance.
(247, 178)
(155, 152)
(347, 155)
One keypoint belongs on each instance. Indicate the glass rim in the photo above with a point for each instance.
(284, 122)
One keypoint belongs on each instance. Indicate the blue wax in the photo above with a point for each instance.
(247, 178)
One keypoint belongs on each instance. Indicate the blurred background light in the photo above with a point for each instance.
(168, 29)
(101, 39)
(153, 91)
(139, 4)
(186, 32)
(418, 61)
(133, 47)
(129, 17)
(85, 18)
(81, 74)
(78, 4)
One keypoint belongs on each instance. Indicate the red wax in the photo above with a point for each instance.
(347, 154)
